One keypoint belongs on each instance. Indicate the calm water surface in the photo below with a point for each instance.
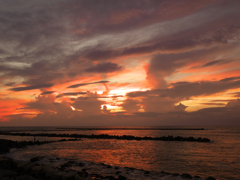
(220, 158)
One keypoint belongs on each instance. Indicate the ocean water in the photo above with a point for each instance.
(220, 158)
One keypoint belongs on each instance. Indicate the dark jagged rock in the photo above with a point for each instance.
(120, 177)
(84, 170)
(118, 172)
(187, 176)
(38, 158)
(110, 178)
(96, 176)
(211, 178)
(81, 164)
(197, 177)
(146, 172)
(106, 136)
(6, 145)
(25, 170)
(83, 174)
(176, 174)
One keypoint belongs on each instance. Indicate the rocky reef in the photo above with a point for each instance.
(106, 136)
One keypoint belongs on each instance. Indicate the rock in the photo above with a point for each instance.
(211, 178)
(120, 177)
(110, 177)
(176, 174)
(15, 162)
(36, 170)
(38, 158)
(7, 163)
(22, 164)
(118, 172)
(71, 162)
(5, 172)
(77, 177)
(56, 175)
(81, 174)
(81, 164)
(187, 176)
(25, 177)
(96, 176)
(146, 172)
(64, 166)
(69, 175)
(197, 177)
(108, 166)
(49, 171)
(28, 168)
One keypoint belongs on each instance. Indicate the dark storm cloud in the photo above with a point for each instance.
(47, 92)
(230, 79)
(10, 84)
(39, 72)
(187, 89)
(104, 68)
(39, 86)
(41, 32)
(84, 84)
(71, 94)
(211, 63)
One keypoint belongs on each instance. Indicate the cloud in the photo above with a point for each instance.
(183, 46)
(88, 105)
(163, 100)
(84, 84)
(180, 107)
(236, 94)
(131, 105)
(211, 63)
(234, 104)
(47, 92)
(185, 90)
(10, 84)
(70, 94)
(39, 86)
(214, 104)
(104, 68)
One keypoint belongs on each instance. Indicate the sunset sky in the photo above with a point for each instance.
(119, 62)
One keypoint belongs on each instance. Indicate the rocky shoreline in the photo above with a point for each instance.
(106, 136)
(11, 169)
(34, 169)
(6, 145)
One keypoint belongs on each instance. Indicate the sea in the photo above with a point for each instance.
(145, 159)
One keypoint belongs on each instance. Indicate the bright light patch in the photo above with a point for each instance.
(72, 108)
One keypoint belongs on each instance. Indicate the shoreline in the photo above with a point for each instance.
(35, 169)
(32, 170)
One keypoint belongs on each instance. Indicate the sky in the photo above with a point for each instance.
(119, 63)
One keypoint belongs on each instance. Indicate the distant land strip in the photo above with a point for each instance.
(121, 128)
(106, 136)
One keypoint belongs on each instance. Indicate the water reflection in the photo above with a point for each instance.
(220, 158)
